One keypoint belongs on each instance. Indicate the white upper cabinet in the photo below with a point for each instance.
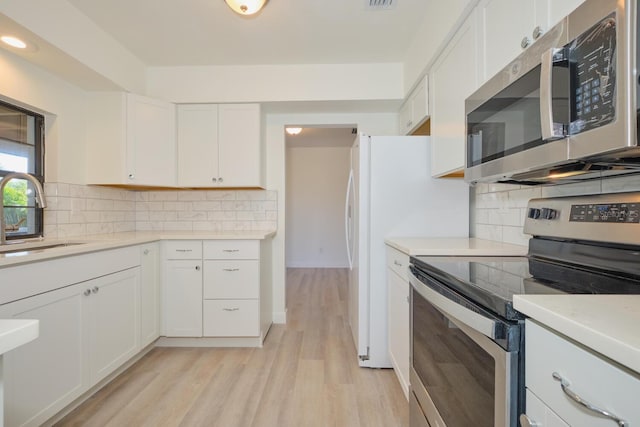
(198, 145)
(219, 145)
(415, 110)
(508, 27)
(453, 78)
(131, 140)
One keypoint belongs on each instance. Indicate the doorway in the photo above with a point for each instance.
(317, 169)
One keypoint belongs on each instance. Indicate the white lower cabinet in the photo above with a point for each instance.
(149, 293)
(550, 358)
(114, 312)
(215, 289)
(398, 314)
(87, 330)
(45, 375)
(182, 297)
(231, 318)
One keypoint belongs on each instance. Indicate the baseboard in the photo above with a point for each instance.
(280, 317)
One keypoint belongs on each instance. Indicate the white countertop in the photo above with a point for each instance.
(102, 242)
(16, 332)
(454, 246)
(608, 324)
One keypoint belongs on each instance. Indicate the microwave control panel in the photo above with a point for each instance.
(606, 212)
(592, 58)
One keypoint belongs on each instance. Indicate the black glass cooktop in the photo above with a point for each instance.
(493, 281)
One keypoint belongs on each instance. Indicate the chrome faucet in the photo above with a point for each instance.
(3, 182)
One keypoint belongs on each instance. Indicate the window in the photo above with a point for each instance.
(21, 150)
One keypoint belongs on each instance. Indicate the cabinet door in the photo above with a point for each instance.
(558, 9)
(151, 142)
(504, 25)
(182, 298)
(149, 293)
(453, 78)
(47, 374)
(115, 320)
(239, 141)
(198, 145)
(398, 323)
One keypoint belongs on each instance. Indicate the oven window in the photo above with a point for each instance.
(458, 375)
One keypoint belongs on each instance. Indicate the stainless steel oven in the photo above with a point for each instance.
(467, 358)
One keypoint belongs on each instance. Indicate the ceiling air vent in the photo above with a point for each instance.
(380, 4)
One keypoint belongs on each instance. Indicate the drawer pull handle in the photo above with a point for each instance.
(396, 262)
(184, 250)
(576, 398)
(231, 250)
(231, 269)
(231, 309)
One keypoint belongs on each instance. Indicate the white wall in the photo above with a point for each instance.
(272, 83)
(316, 184)
(63, 105)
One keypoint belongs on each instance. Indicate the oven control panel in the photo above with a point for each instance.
(606, 212)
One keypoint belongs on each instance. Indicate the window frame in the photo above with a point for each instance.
(38, 165)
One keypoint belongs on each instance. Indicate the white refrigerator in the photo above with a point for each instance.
(390, 193)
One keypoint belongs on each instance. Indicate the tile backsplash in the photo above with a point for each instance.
(498, 210)
(80, 210)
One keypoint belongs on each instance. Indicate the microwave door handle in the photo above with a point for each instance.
(546, 99)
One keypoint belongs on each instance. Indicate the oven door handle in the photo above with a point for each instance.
(476, 321)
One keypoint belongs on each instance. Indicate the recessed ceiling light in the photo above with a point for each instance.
(14, 42)
(293, 131)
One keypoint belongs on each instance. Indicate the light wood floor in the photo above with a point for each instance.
(305, 375)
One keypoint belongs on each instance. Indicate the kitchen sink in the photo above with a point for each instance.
(26, 249)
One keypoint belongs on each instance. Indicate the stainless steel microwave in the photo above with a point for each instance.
(566, 108)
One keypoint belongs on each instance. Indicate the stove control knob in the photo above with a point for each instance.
(534, 213)
(547, 213)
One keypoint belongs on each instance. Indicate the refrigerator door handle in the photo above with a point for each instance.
(348, 223)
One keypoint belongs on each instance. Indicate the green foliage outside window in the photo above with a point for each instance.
(15, 195)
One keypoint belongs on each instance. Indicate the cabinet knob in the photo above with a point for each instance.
(525, 421)
(86, 292)
(396, 262)
(214, 179)
(197, 268)
(95, 289)
(146, 252)
(537, 32)
(220, 179)
(525, 42)
(131, 176)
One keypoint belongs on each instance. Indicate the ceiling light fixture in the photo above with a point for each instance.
(14, 42)
(245, 7)
(293, 131)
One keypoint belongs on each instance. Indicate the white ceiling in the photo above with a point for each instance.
(207, 32)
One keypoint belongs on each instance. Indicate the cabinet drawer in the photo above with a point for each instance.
(231, 318)
(182, 249)
(232, 279)
(592, 377)
(398, 262)
(231, 249)
(540, 413)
